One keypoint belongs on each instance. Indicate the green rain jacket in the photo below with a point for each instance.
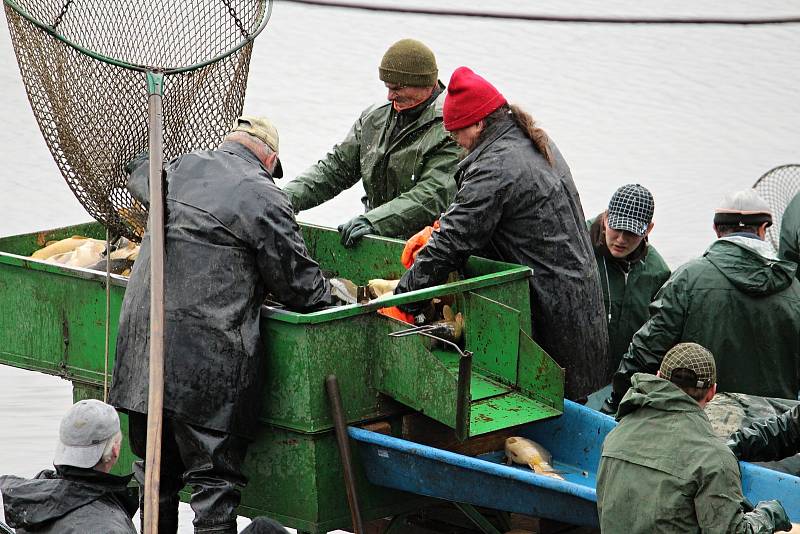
(628, 290)
(408, 181)
(789, 244)
(663, 470)
(738, 301)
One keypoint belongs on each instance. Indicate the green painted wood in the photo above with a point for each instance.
(493, 336)
(52, 321)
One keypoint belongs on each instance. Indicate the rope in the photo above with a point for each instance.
(552, 18)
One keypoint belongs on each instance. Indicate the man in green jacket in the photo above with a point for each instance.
(631, 269)
(789, 244)
(662, 468)
(399, 150)
(738, 299)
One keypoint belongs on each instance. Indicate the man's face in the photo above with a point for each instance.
(406, 96)
(622, 242)
(467, 138)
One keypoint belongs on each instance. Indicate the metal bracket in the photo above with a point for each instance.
(464, 373)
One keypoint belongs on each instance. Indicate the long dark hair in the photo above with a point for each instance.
(527, 124)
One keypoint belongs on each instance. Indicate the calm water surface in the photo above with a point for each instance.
(688, 111)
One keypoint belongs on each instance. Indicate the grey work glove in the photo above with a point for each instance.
(354, 229)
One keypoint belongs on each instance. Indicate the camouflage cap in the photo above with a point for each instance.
(263, 129)
(696, 363)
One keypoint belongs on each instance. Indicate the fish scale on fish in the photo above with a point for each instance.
(528, 452)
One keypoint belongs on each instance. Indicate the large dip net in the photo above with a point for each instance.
(778, 187)
(83, 63)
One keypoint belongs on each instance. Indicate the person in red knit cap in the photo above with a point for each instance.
(517, 203)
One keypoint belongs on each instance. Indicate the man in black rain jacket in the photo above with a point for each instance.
(517, 203)
(772, 439)
(231, 239)
(80, 496)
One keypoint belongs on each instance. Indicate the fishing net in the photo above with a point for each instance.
(84, 66)
(778, 187)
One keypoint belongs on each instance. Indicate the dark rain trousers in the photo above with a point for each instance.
(207, 460)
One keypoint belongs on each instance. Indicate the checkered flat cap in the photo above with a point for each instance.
(631, 208)
(689, 365)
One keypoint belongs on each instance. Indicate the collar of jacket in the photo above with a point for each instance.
(650, 391)
(491, 134)
(601, 248)
(430, 112)
(245, 153)
(93, 476)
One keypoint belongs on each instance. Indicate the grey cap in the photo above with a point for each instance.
(695, 363)
(83, 433)
(631, 208)
(743, 208)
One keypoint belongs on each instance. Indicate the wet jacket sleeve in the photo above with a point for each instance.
(138, 170)
(427, 200)
(288, 271)
(660, 333)
(772, 439)
(719, 506)
(465, 228)
(339, 170)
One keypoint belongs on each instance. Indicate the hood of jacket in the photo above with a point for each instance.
(749, 264)
(32, 502)
(650, 391)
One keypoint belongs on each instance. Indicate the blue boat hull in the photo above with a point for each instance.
(575, 439)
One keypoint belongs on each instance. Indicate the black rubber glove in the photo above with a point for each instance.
(610, 405)
(354, 229)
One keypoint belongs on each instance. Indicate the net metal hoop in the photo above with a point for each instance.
(778, 186)
(141, 68)
(201, 50)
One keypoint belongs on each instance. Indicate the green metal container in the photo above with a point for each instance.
(52, 320)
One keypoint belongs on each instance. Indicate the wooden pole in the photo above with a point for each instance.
(343, 440)
(155, 400)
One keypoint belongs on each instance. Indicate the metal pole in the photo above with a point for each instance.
(332, 386)
(155, 400)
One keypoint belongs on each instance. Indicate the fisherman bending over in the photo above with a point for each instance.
(80, 496)
(662, 468)
(230, 239)
(517, 203)
(399, 150)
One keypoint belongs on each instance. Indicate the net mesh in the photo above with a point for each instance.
(778, 187)
(93, 113)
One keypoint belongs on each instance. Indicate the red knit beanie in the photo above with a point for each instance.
(469, 99)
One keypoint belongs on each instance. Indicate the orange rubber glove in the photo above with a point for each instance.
(397, 313)
(415, 244)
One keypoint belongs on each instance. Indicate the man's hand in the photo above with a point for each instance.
(354, 229)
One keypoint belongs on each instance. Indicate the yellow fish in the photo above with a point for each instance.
(528, 452)
(59, 247)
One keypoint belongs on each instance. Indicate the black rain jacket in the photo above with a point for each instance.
(772, 439)
(69, 500)
(514, 207)
(231, 239)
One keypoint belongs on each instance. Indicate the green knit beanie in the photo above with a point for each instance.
(409, 62)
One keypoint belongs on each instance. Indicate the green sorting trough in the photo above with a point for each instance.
(53, 320)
